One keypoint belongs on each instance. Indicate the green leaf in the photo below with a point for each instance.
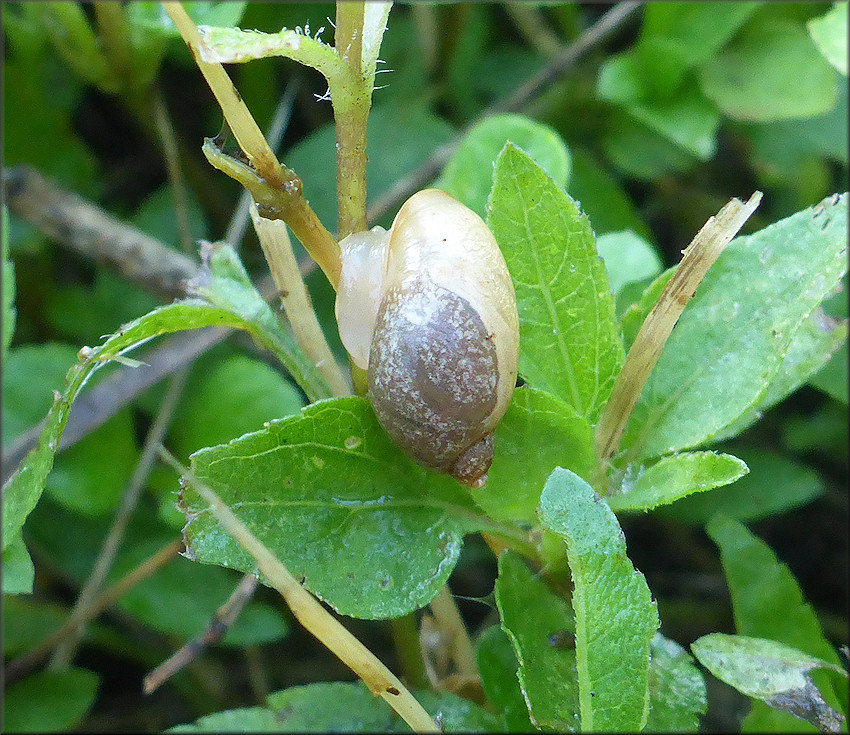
(689, 121)
(27, 621)
(677, 692)
(615, 615)
(231, 301)
(49, 701)
(733, 336)
(498, 667)
(468, 175)
(244, 719)
(832, 378)
(766, 600)
(602, 198)
(372, 533)
(536, 425)
(817, 339)
(18, 569)
(770, 671)
(675, 477)
(233, 397)
(9, 313)
(829, 32)
(774, 484)
(628, 258)
(534, 618)
(749, 79)
(569, 339)
(454, 714)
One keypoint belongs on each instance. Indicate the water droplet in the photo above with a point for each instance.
(353, 442)
(319, 462)
(386, 583)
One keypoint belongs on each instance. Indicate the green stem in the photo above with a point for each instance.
(406, 642)
(352, 101)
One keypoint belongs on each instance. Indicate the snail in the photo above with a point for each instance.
(429, 310)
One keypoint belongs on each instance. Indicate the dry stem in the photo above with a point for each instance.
(698, 257)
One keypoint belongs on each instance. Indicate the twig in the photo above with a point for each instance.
(698, 257)
(277, 129)
(296, 301)
(223, 619)
(27, 661)
(450, 623)
(65, 651)
(518, 100)
(310, 613)
(168, 139)
(91, 232)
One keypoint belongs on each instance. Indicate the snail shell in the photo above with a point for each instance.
(430, 310)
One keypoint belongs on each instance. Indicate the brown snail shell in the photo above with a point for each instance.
(434, 301)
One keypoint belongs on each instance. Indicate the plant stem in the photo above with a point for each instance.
(698, 257)
(451, 623)
(406, 644)
(296, 301)
(351, 104)
(310, 613)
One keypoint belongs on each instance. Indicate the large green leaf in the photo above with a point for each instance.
(228, 299)
(628, 257)
(49, 701)
(569, 339)
(371, 532)
(677, 694)
(733, 336)
(675, 477)
(535, 619)
(468, 175)
(773, 672)
(749, 79)
(615, 615)
(536, 425)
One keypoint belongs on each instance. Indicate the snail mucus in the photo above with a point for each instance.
(429, 310)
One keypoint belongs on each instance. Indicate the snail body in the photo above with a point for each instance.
(429, 309)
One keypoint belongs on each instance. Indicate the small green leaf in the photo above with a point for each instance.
(628, 257)
(677, 692)
(535, 619)
(734, 334)
(468, 175)
(373, 534)
(152, 15)
(749, 79)
(616, 617)
(498, 666)
(18, 569)
(675, 477)
(27, 621)
(774, 484)
(49, 701)
(832, 378)
(773, 672)
(829, 32)
(536, 425)
(569, 339)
